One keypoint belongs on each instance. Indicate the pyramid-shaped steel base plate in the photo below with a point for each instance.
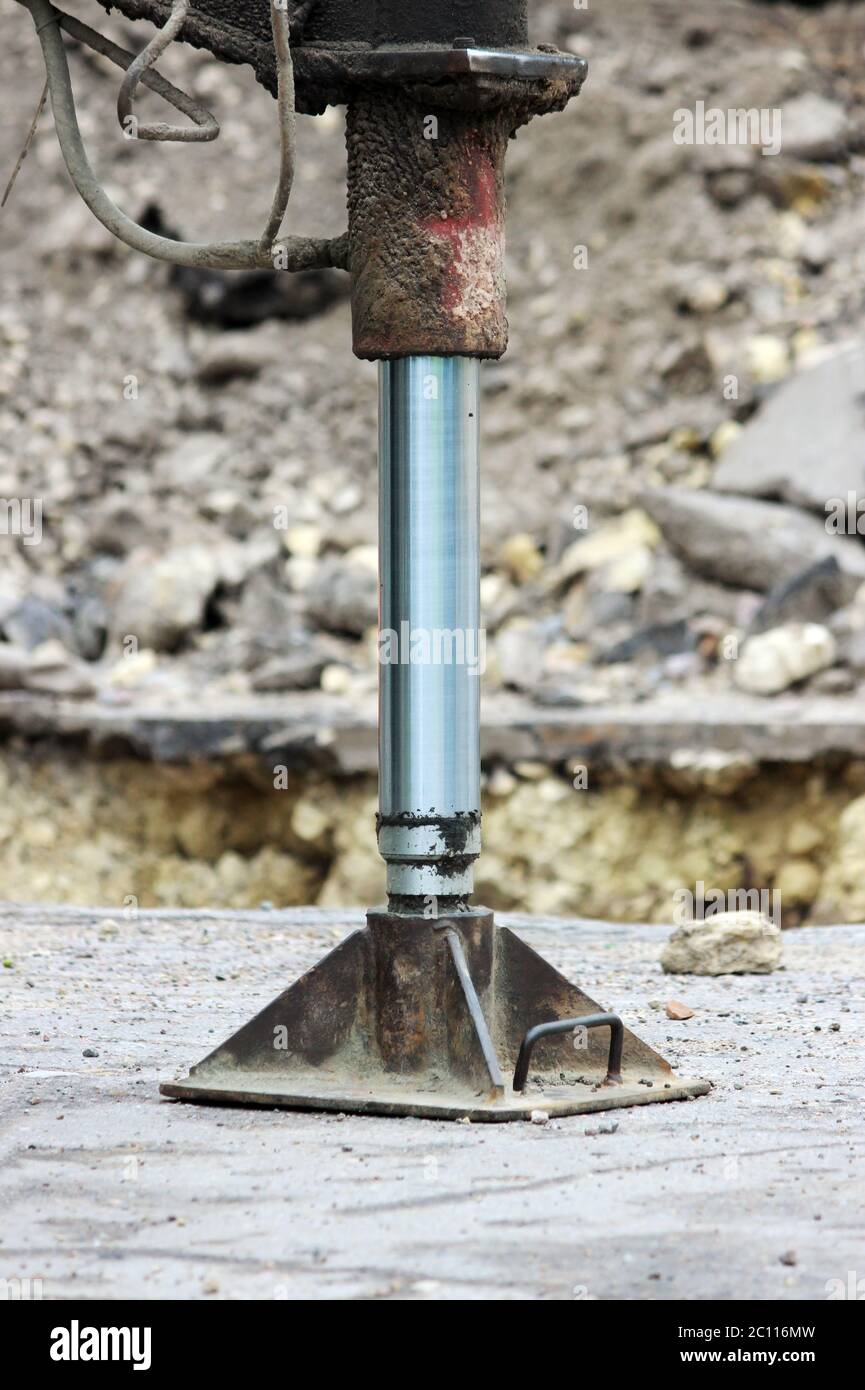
(411, 1016)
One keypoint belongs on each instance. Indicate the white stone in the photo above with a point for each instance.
(767, 357)
(609, 542)
(161, 598)
(521, 558)
(813, 127)
(730, 943)
(309, 820)
(771, 661)
(303, 541)
(132, 669)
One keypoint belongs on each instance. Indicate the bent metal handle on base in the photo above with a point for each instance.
(570, 1025)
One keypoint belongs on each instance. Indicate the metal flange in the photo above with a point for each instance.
(336, 54)
(413, 1016)
(469, 77)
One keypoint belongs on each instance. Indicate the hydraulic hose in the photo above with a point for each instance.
(292, 253)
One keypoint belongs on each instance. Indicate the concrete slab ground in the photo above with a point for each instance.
(108, 1191)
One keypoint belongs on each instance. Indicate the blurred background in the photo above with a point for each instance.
(676, 629)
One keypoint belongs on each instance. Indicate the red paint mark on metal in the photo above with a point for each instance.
(475, 238)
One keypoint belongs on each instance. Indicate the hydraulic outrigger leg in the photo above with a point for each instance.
(432, 1009)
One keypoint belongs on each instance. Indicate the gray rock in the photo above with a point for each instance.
(661, 639)
(343, 596)
(806, 444)
(129, 427)
(161, 599)
(72, 681)
(852, 651)
(520, 654)
(48, 669)
(730, 187)
(119, 524)
(590, 609)
(772, 661)
(811, 596)
(231, 355)
(730, 943)
(836, 681)
(744, 542)
(686, 368)
(665, 595)
(813, 127)
(268, 616)
(197, 460)
(14, 665)
(816, 248)
(672, 591)
(15, 581)
(90, 627)
(34, 621)
(300, 670)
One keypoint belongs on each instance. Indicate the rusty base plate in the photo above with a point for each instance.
(422, 1017)
(396, 1100)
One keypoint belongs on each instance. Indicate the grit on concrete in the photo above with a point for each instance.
(107, 1191)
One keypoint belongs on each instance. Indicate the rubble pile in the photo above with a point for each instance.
(673, 460)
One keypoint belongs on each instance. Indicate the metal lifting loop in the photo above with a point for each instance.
(570, 1025)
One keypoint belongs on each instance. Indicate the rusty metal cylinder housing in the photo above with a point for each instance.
(426, 228)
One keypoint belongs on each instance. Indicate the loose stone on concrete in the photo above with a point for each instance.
(729, 943)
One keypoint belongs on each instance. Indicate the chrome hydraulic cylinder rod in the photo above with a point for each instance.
(431, 648)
